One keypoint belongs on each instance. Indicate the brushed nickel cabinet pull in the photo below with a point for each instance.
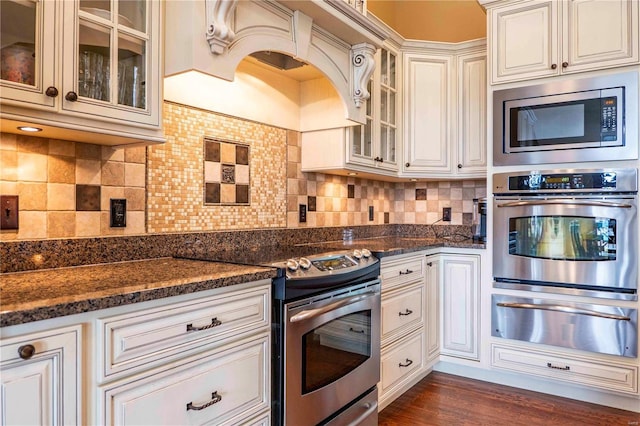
(214, 323)
(405, 313)
(408, 362)
(215, 398)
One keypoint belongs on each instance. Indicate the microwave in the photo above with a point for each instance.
(588, 119)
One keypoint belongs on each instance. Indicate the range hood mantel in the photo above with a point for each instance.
(214, 36)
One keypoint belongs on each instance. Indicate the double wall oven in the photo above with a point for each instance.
(570, 233)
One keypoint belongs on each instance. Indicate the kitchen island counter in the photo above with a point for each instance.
(39, 295)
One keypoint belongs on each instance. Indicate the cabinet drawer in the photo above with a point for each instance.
(147, 338)
(402, 310)
(226, 387)
(401, 272)
(401, 359)
(579, 370)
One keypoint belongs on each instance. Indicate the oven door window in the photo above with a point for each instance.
(334, 349)
(574, 238)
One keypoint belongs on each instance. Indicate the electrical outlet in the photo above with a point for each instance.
(9, 212)
(446, 214)
(118, 213)
(370, 213)
(302, 213)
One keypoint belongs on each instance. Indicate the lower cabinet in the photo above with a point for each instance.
(202, 358)
(459, 305)
(600, 374)
(41, 376)
(225, 387)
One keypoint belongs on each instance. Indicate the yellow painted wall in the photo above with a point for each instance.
(433, 20)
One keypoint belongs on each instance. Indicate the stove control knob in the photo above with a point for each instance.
(304, 263)
(357, 254)
(366, 253)
(292, 265)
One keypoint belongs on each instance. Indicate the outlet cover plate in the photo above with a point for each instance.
(446, 214)
(9, 212)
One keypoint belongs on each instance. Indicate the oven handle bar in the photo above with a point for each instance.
(565, 309)
(312, 313)
(591, 203)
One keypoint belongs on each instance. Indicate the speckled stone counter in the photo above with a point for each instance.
(39, 295)
(395, 245)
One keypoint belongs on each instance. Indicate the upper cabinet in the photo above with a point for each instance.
(83, 70)
(369, 148)
(445, 111)
(534, 39)
(374, 144)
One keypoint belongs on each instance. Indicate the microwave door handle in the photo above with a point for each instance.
(565, 309)
(573, 202)
(312, 313)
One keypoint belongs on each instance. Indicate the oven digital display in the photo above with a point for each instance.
(580, 181)
(333, 263)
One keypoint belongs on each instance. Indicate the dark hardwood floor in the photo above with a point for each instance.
(444, 399)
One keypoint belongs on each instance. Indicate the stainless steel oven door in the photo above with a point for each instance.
(332, 352)
(589, 327)
(588, 242)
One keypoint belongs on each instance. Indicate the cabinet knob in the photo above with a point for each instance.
(554, 66)
(381, 160)
(459, 166)
(51, 92)
(71, 96)
(565, 64)
(407, 164)
(429, 264)
(26, 351)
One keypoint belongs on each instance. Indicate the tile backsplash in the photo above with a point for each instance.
(65, 187)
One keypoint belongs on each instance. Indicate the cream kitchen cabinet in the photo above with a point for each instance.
(460, 309)
(534, 39)
(369, 148)
(432, 326)
(404, 315)
(82, 70)
(445, 111)
(41, 376)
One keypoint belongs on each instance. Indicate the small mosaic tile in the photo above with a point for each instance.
(226, 172)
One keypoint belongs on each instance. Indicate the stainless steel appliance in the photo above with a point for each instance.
(326, 327)
(570, 233)
(479, 221)
(589, 119)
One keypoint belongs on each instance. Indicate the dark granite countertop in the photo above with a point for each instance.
(38, 295)
(395, 245)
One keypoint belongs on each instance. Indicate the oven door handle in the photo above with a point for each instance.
(590, 203)
(312, 313)
(565, 309)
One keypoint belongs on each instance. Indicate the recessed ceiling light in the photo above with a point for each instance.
(353, 174)
(414, 180)
(29, 129)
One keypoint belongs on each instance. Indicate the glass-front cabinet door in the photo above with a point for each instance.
(107, 70)
(27, 51)
(387, 122)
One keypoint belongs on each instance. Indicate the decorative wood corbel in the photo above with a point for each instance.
(219, 32)
(362, 66)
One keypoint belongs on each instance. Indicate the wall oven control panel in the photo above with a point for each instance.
(623, 180)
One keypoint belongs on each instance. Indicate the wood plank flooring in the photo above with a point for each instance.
(444, 399)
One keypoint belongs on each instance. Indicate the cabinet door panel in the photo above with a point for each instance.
(42, 389)
(472, 114)
(526, 41)
(428, 115)
(600, 33)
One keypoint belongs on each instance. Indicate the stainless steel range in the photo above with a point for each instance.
(326, 329)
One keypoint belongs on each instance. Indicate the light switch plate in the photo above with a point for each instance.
(9, 212)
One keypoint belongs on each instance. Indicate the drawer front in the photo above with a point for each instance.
(583, 371)
(402, 359)
(402, 310)
(146, 338)
(395, 273)
(222, 388)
